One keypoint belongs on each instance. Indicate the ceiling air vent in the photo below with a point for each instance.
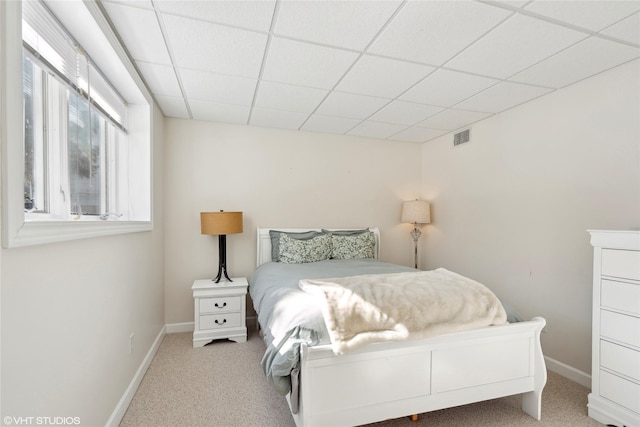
(461, 137)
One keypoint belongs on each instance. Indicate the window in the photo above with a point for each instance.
(78, 162)
(73, 124)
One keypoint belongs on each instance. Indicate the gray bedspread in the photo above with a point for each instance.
(288, 316)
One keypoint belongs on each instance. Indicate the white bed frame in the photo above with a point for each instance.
(395, 379)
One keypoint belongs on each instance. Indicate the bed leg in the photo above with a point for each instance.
(532, 401)
(532, 404)
(414, 417)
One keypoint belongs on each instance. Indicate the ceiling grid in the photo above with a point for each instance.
(407, 70)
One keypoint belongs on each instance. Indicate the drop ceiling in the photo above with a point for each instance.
(397, 70)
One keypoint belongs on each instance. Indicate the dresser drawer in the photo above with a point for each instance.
(620, 296)
(623, 392)
(220, 321)
(620, 359)
(220, 304)
(620, 263)
(620, 327)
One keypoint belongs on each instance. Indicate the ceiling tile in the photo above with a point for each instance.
(582, 60)
(349, 24)
(219, 87)
(254, 15)
(513, 3)
(235, 51)
(319, 123)
(431, 32)
(404, 113)
(351, 106)
(453, 119)
(137, 3)
(418, 134)
(446, 88)
(593, 15)
(215, 112)
(140, 31)
(161, 79)
(376, 76)
(172, 106)
(306, 64)
(277, 119)
(627, 29)
(284, 97)
(516, 44)
(502, 96)
(376, 130)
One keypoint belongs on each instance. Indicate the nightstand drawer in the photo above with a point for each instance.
(620, 359)
(220, 304)
(620, 327)
(619, 263)
(220, 321)
(620, 296)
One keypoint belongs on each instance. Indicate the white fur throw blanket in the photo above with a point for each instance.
(392, 307)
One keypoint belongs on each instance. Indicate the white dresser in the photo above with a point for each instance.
(615, 372)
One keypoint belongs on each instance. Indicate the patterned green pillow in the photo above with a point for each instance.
(357, 246)
(293, 251)
(274, 235)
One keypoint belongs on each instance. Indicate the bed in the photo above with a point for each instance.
(375, 381)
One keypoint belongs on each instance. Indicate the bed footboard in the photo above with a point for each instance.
(396, 379)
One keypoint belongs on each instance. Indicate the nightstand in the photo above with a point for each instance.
(220, 310)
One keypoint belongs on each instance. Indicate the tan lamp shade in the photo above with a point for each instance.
(416, 212)
(220, 223)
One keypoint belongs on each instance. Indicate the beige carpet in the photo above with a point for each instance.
(222, 385)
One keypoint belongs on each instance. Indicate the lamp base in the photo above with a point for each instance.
(222, 259)
(219, 276)
(221, 270)
(415, 233)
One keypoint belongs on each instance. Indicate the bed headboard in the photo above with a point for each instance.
(264, 241)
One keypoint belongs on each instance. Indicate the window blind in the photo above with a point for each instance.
(51, 44)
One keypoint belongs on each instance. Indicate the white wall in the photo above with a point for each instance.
(278, 178)
(511, 208)
(67, 312)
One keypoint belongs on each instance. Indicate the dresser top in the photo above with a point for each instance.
(617, 239)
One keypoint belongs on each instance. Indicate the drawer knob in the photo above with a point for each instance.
(221, 323)
(224, 304)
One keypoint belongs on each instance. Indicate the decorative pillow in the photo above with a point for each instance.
(295, 251)
(356, 246)
(275, 240)
(345, 232)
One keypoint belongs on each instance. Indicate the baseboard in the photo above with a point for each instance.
(175, 328)
(568, 372)
(127, 397)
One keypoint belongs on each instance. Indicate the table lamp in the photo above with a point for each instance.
(416, 212)
(221, 223)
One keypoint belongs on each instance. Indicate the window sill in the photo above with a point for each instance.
(41, 232)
